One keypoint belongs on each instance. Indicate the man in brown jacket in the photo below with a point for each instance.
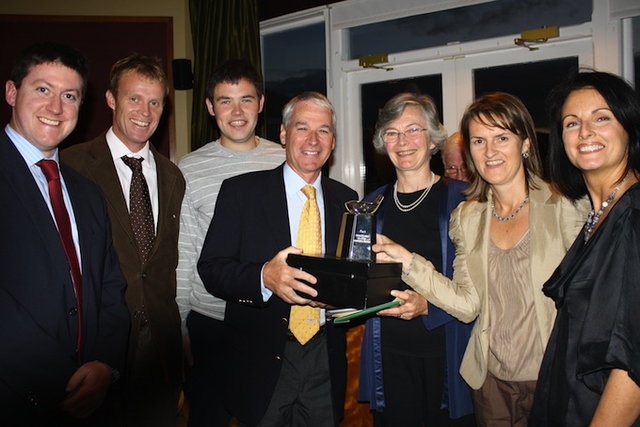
(137, 90)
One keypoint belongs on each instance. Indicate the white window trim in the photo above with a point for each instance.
(605, 31)
(620, 9)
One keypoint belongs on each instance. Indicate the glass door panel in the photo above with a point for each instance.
(356, 163)
(285, 76)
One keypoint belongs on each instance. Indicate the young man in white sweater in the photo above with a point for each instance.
(235, 98)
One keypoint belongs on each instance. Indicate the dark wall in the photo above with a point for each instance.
(103, 40)
(268, 9)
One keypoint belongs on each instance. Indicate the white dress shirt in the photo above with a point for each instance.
(118, 149)
(296, 199)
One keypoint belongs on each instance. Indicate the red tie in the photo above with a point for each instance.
(50, 170)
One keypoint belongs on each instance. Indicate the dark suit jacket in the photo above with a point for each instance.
(38, 328)
(151, 286)
(249, 227)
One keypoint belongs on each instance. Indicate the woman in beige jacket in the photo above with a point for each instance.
(510, 235)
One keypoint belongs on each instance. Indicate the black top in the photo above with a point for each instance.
(597, 292)
(418, 231)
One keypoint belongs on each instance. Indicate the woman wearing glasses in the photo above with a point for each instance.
(510, 235)
(410, 360)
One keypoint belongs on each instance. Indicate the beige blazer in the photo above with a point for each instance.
(554, 223)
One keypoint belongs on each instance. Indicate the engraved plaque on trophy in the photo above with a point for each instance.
(358, 230)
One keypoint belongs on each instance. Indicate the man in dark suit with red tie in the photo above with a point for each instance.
(272, 376)
(63, 319)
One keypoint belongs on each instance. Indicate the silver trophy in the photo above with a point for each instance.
(358, 230)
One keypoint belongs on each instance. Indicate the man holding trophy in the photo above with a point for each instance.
(280, 351)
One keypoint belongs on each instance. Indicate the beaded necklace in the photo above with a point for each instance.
(515, 213)
(412, 206)
(594, 217)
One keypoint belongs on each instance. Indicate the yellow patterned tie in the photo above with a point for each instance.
(305, 320)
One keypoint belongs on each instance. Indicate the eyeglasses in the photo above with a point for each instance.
(453, 170)
(392, 136)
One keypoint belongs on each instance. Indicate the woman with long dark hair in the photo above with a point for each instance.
(590, 374)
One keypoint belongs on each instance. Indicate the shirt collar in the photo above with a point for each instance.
(118, 149)
(293, 182)
(29, 152)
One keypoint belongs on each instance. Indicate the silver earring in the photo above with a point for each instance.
(525, 155)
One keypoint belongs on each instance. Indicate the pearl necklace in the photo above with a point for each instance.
(412, 206)
(594, 217)
(515, 213)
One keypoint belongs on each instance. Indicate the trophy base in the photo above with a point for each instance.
(344, 283)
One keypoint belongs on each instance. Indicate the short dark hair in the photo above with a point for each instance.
(50, 53)
(232, 71)
(505, 111)
(624, 103)
(150, 68)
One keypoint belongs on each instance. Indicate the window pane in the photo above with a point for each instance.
(294, 61)
(463, 24)
(378, 168)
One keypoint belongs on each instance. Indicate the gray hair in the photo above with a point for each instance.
(314, 97)
(394, 108)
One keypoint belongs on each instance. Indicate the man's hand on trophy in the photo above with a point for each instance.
(288, 282)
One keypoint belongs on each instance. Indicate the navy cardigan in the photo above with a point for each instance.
(457, 394)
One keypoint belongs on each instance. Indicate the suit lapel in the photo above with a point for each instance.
(333, 210)
(103, 172)
(540, 214)
(166, 187)
(82, 214)
(38, 224)
(274, 206)
(27, 192)
(478, 251)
